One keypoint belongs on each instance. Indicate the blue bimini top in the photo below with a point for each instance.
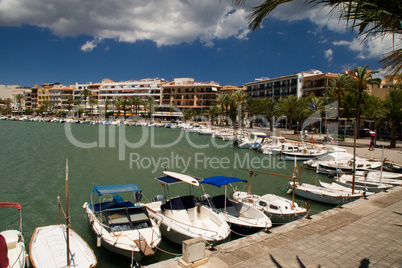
(220, 180)
(115, 189)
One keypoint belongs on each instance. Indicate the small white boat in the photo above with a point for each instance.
(48, 248)
(324, 195)
(14, 243)
(247, 141)
(341, 162)
(182, 219)
(58, 246)
(277, 208)
(243, 218)
(302, 153)
(363, 184)
(122, 226)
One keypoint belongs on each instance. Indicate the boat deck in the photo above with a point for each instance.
(366, 232)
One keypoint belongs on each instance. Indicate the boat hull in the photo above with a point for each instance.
(123, 242)
(17, 255)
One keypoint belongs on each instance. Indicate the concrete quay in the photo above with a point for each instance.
(365, 233)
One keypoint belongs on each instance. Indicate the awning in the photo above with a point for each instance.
(114, 189)
(220, 180)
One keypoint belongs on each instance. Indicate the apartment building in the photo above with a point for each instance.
(228, 89)
(185, 93)
(144, 88)
(301, 85)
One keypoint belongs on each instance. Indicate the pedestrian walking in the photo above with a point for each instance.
(371, 147)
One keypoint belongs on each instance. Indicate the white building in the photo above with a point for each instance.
(143, 88)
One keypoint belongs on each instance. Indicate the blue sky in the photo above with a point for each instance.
(81, 41)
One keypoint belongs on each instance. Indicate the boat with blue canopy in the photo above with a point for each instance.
(182, 218)
(242, 218)
(120, 225)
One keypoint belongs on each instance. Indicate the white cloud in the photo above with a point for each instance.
(89, 46)
(164, 22)
(371, 48)
(328, 54)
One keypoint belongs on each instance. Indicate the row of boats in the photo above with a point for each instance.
(134, 229)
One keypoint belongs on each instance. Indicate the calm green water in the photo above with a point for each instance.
(32, 171)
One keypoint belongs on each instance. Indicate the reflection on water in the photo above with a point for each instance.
(32, 170)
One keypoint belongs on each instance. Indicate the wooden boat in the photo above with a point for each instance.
(122, 226)
(242, 217)
(14, 242)
(280, 210)
(324, 195)
(362, 184)
(58, 245)
(277, 208)
(48, 248)
(341, 162)
(181, 218)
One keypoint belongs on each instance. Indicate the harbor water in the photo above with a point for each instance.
(32, 171)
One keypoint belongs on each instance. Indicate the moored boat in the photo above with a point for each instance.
(58, 246)
(280, 210)
(242, 217)
(13, 242)
(122, 226)
(181, 218)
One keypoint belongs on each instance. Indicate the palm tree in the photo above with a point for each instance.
(150, 102)
(269, 108)
(135, 101)
(117, 105)
(370, 17)
(48, 105)
(391, 111)
(92, 102)
(224, 100)
(338, 87)
(70, 103)
(288, 106)
(107, 102)
(124, 103)
(19, 98)
(252, 106)
(213, 112)
(362, 79)
(86, 93)
(8, 102)
(77, 103)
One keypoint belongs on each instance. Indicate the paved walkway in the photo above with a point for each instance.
(365, 233)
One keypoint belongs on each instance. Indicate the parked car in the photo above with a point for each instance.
(365, 132)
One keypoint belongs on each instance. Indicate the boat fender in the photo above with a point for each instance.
(312, 140)
(98, 241)
(168, 228)
(289, 190)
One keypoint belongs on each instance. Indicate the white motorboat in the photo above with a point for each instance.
(340, 162)
(48, 248)
(181, 218)
(58, 246)
(242, 217)
(280, 210)
(338, 187)
(14, 242)
(302, 153)
(273, 145)
(122, 226)
(194, 128)
(324, 195)
(247, 141)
